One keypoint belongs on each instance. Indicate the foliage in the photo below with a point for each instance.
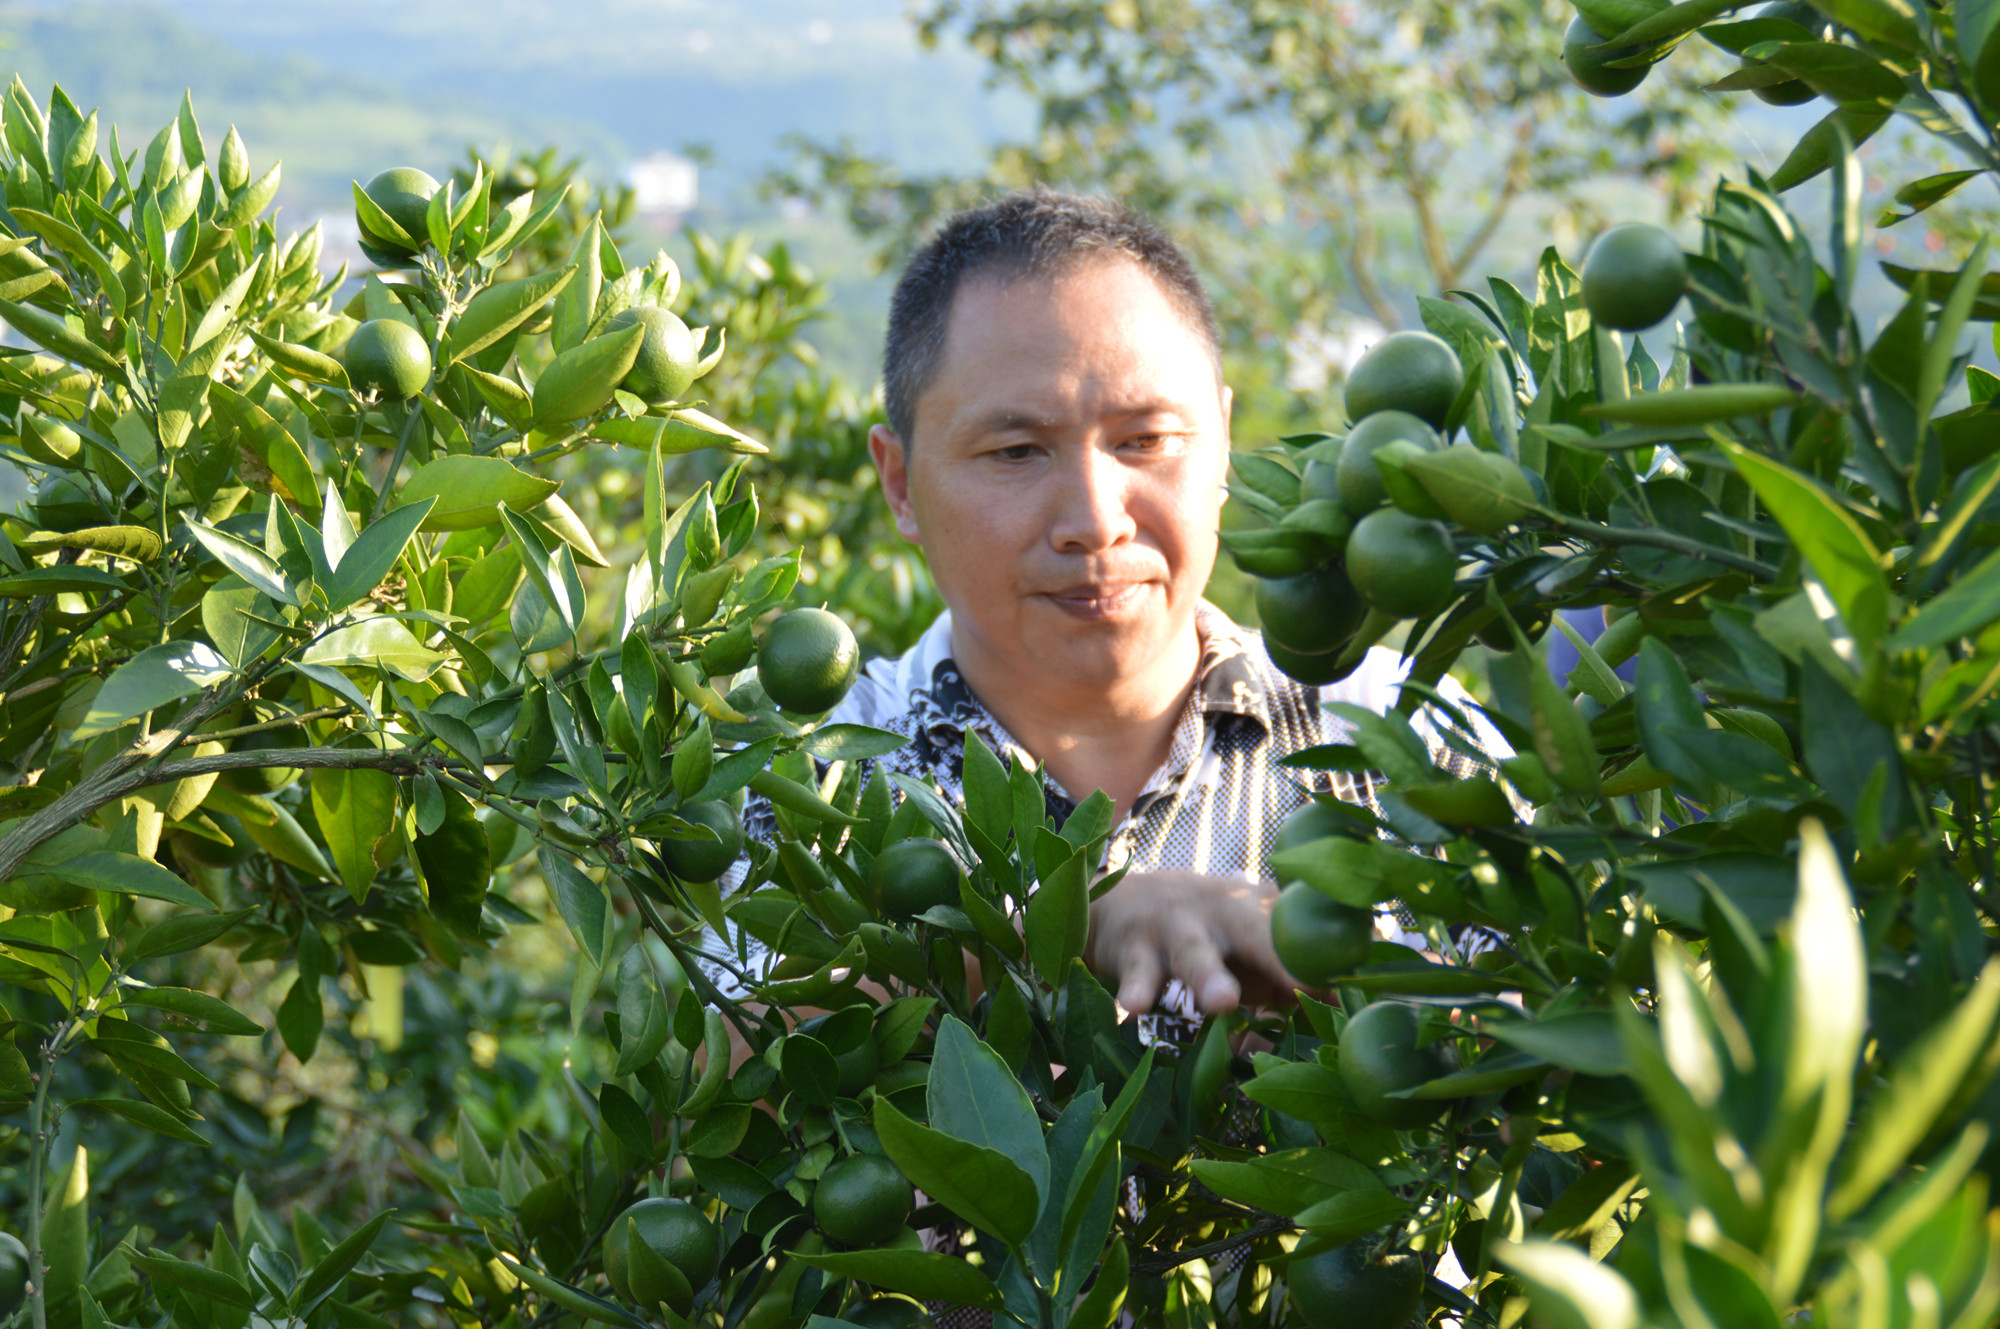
(1317, 157)
(1725, 1055)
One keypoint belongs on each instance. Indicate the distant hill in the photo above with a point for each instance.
(338, 89)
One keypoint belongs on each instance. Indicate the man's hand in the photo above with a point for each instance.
(1211, 933)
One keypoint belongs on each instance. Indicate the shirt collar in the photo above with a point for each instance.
(1228, 682)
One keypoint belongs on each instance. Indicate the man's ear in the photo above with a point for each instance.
(892, 464)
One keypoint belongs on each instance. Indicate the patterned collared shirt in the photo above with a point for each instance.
(1217, 802)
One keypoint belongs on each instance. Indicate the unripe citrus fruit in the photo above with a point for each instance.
(1402, 565)
(807, 661)
(888, 1313)
(1319, 939)
(862, 1201)
(669, 357)
(1356, 477)
(387, 357)
(675, 1231)
(1319, 479)
(1379, 1055)
(404, 193)
(1406, 371)
(705, 860)
(1591, 69)
(1315, 670)
(266, 779)
(911, 876)
(1343, 1289)
(13, 1274)
(1633, 277)
(1312, 613)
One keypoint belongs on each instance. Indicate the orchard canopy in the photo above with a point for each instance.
(388, 659)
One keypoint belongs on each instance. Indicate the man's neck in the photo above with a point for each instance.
(1111, 738)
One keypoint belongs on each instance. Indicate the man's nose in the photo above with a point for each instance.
(1092, 508)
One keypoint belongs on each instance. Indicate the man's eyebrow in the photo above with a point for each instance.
(1012, 419)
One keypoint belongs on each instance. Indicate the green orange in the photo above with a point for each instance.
(266, 779)
(1357, 477)
(389, 358)
(705, 860)
(404, 193)
(911, 876)
(863, 1201)
(1403, 565)
(675, 1231)
(1591, 69)
(13, 1274)
(1379, 1055)
(1633, 277)
(1319, 939)
(1315, 670)
(1312, 613)
(1406, 371)
(807, 661)
(669, 357)
(1344, 1288)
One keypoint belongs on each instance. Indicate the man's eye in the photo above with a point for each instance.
(1018, 452)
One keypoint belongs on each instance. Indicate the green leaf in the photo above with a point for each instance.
(580, 381)
(218, 1015)
(467, 489)
(1357, 872)
(1101, 1306)
(1823, 144)
(1962, 609)
(1341, 1218)
(455, 866)
(230, 614)
(982, 1186)
(576, 306)
(1574, 1290)
(1287, 1182)
(501, 308)
(1829, 539)
(850, 742)
(975, 1097)
(143, 1114)
(336, 1265)
(249, 202)
(355, 809)
(151, 679)
(302, 361)
(124, 874)
(247, 561)
(53, 335)
(1585, 1041)
(199, 1279)
(1703, 404)
(643, 1024)
(183, 933)
(301, 1018)
(572, 1299)
(1058, 918)
(375, 551)
(1839, 73)
(375, 643)
(925, 1275)
(1926, 1078)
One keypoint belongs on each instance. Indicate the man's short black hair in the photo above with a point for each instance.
(1036, 232)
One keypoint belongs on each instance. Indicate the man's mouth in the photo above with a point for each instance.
(1099, 602)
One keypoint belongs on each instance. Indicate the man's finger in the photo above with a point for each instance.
(1251, 948)
(1194, 958)
(1139, 976)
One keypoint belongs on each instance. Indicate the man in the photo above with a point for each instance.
(1058, 441)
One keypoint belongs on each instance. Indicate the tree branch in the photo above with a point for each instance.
(132, 771)
(1510, 189)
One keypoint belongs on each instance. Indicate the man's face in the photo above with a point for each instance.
(1066, 478)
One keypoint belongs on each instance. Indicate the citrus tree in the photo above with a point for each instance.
(301, 648)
